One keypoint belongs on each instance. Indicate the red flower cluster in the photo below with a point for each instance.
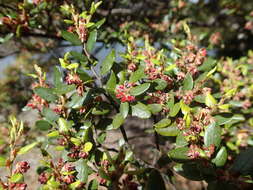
(22, 167)
(122, 92)
(75, 79)
(37, 102)
(18, 186)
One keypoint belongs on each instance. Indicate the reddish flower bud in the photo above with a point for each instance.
(22, 167)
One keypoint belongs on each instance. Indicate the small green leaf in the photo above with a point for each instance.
(91, 40)
(27, 148)
(43, 125)
(175, 109)
(50, 115)
(64, 125)
(118, 120)
(87, 147)
(57, 77)
(212, 135)
(108, 63)
(168, 131)
(138, 90)
(179, 154)
(160, 84)
(82, 170)
(17, 177)
(210, 100)
(124, 109)
(2, 161)
(163, 123)
(188, 82)
(103, 174)
(141, 110)
(111, 83)
(137, 75)
(93, 185)
(76, 101)
(221, 157)
(155, 108)
(71, 37)
(64, 89)
(181, 140)
(45, 93)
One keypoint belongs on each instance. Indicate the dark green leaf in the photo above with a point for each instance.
(76, 101)
(93, 185)
(101, 109)
(188, 82)
(138, 90)
(71, 37)
(140, 110)
(212, 135)
(155, 181)
(43, 125)
(244, 162)
(91, 40)
(45, 93)
(108, 63)
(103, 174)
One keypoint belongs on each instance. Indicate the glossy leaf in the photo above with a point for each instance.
(210, 100)
(138, 90)
(27, 148)
(91, 40)
(155, 108)
(43, 125)
(82, 170)
(45, 93)
(141, 110)
(179, 154)
(71, 37)
(155, 181)
(175, 109)
(108, 63)
(163, 123)
(49, 114)
(221, 157)
(188, 82)
(212, 135)
(168, 131)
(118, 120)
(16, 177)
(124, 109)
